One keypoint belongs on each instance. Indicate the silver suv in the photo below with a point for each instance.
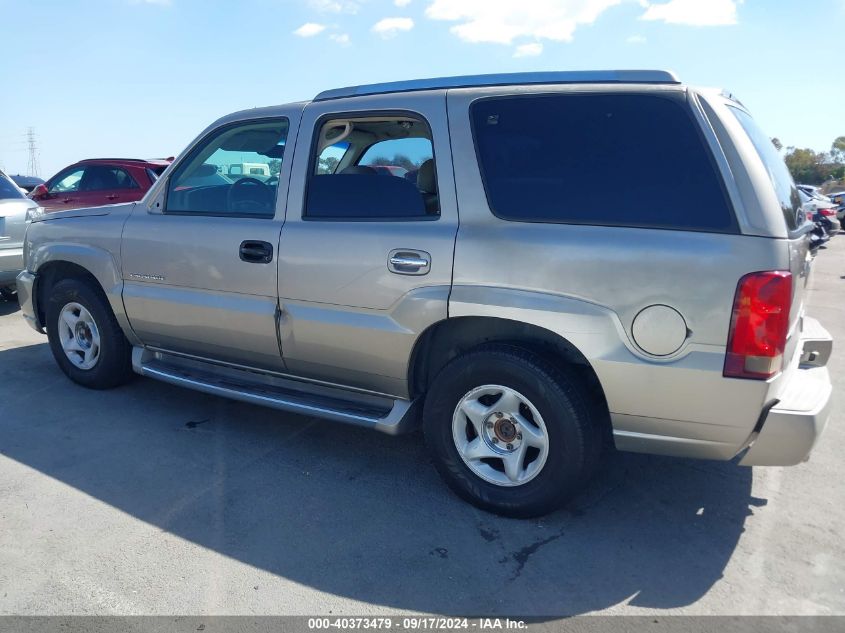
(434, 252)
(16, 210)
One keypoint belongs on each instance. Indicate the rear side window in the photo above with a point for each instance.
(618, 160)
(787, 192)
(8, 190)
(105, 178)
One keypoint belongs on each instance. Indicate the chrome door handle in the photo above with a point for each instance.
(408, 262)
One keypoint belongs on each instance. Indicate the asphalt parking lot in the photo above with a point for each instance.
(154, 500)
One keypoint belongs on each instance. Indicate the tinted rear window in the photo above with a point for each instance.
(8, 190)
(787, 192)
(621, 160)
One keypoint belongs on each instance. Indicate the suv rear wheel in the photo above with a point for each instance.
(84, 336)
(510, 432)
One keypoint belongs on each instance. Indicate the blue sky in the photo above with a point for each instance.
(141, 78)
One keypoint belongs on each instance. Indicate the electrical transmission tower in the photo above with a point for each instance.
(32, 165)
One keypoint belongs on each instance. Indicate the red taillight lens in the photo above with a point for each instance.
(759, 325)
(827, 212)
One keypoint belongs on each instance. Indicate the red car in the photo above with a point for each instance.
(99, 181)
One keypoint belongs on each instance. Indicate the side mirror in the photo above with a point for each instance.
(39, 192)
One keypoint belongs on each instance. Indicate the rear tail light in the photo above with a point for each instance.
(759, 325)
(827, 212)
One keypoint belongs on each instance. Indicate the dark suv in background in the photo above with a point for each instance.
(99, 181)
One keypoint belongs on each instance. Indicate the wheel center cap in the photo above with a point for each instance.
(505, 430)
(83, 335)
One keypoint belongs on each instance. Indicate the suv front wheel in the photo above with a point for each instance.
(85, 338)
(509, 431)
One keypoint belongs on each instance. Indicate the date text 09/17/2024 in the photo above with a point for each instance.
(414, 623)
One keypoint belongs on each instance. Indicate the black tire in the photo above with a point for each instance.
(9, 294)
(114, 364)
(569, 412)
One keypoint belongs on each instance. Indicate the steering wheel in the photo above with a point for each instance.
(249, 194)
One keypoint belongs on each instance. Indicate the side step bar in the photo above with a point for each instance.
(387, 415)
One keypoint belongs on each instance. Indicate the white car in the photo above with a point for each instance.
(833, 201)
(813, 208)
(16, 210)
(813, 192)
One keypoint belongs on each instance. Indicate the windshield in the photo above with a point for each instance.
(782, 182)
(8, 189)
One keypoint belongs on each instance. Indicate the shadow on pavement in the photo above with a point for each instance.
(8, 307)
(365, 516)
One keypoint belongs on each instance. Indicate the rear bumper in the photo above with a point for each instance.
(26, 285)
(792, 427)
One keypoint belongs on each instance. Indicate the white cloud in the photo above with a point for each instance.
(310, 29)
(401, 3)
(636, 39)
(390, 27)
(340, 38)
(693, 12)
(505, 21)
(529, 50)
(334, 6)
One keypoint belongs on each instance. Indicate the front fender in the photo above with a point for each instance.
(97, 261)
(91, 243)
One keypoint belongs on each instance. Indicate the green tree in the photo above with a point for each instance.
(808, 166)
(327, 165)
(404, 161)
(400, 160)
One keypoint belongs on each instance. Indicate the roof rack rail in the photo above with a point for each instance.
(506, 79)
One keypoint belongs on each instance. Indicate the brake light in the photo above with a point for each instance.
(827, 212)
(759, 325)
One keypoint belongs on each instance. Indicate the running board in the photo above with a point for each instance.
(380, 413)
